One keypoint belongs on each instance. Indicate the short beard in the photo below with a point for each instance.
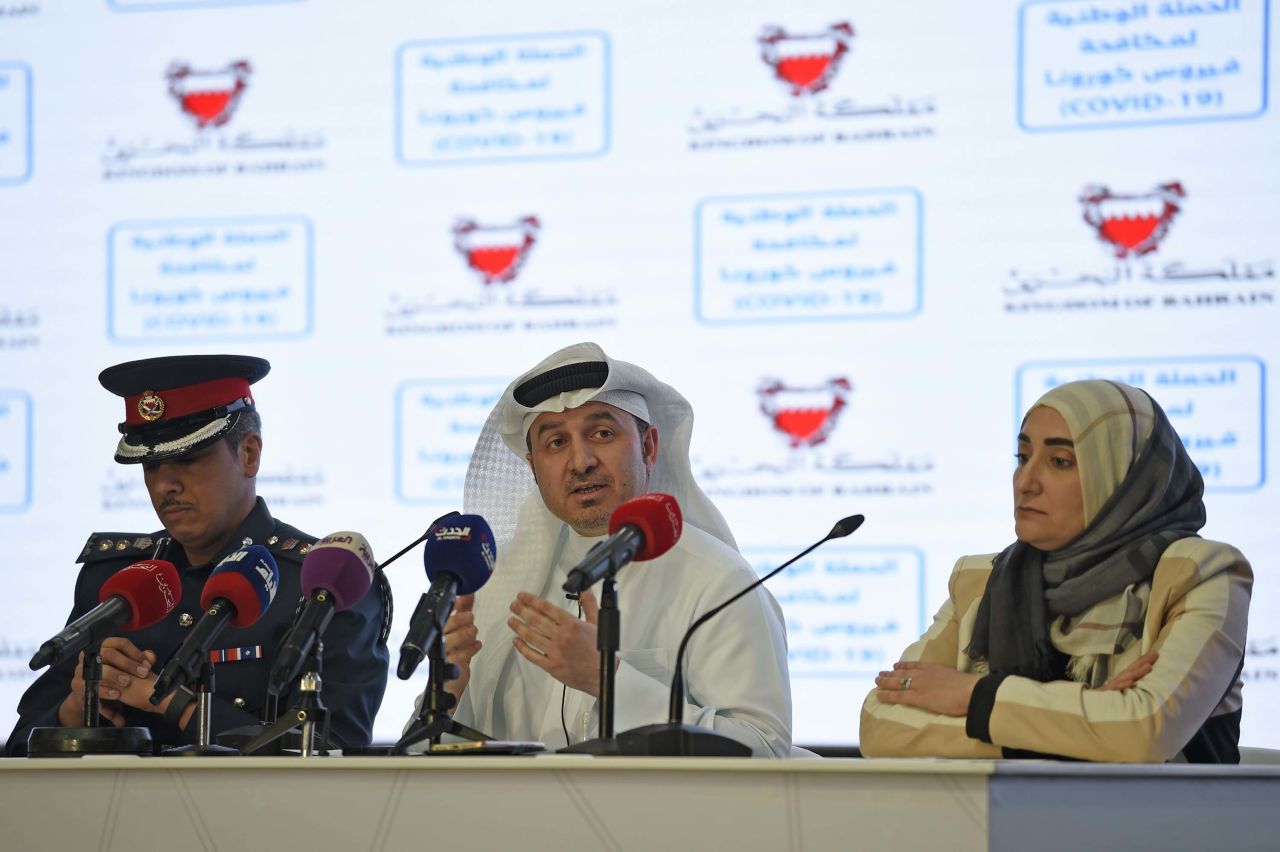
(592, 522)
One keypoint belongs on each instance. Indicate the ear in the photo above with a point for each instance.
(528, 457)
(251, 454)
(649, 447)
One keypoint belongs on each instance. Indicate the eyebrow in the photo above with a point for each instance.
(1048, 442)
(593, 417)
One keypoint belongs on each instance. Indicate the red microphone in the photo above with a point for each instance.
(644, 527)
(132, 598)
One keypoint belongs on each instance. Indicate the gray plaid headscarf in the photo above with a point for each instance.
(1142, 492)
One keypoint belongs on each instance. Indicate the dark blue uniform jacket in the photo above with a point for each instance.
(353, 668)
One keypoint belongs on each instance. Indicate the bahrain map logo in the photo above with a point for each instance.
(496, 252)
(804, 416)
(805, 64)
(1132, 225)
(209, 98)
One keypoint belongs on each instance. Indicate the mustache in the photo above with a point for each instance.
(576, 481)
(170, 504)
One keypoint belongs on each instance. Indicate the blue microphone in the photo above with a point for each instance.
(459, 558)
(237, 592)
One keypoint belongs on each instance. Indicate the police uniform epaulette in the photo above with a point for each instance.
(289, 543)
(112, 545)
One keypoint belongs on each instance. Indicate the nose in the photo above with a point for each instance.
(584, 457)
(163, 480)
(1025, 479)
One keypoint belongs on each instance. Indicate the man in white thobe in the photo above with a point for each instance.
(570, 441)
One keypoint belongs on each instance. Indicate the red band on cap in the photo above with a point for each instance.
(159, 406)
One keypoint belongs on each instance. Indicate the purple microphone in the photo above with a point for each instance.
(336, 575)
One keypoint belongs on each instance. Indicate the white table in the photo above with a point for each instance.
(562, 802)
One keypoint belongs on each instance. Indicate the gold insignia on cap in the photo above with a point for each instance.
(303, 550)
(122, 544)
(151, 406)
(105, 544)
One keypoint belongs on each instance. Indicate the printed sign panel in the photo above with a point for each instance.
(1119, 64)
(15, 450)
(210, 280)
(850, 610)
(824, 256)
(1216, 404)
(437, 422)
(15, 122)
(511, 98)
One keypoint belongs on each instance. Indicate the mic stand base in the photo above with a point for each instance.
(433, 719)
(202, 719)
(433, 729)
(306, 714)
(598, 746)
(668, 740)
(239, 738)
(91, 737)
(195, 750)
(74, 742)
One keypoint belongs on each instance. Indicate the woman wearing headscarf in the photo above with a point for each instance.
(1108, 631)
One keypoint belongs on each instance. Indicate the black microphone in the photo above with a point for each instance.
(675, 738)
(237, 592)
(336, 575)
(132, 598)
(458, 558)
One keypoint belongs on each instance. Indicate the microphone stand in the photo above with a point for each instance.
(307, 712)
(92, 737)
(203, 746)
(434, 720)
(419, 540)
(608, 638)
(674, 738)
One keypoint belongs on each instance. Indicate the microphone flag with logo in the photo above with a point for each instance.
(642, 528)
(336, 575)
(459, 556)
(136, 596)
(237, 593)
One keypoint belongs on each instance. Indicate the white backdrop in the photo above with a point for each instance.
(859, 237)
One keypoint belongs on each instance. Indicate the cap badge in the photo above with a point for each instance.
(150, 407)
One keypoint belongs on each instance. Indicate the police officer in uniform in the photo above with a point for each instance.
(191, 423)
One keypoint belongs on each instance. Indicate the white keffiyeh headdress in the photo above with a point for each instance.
(500, 486)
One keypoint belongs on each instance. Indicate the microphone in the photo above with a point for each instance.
(458, 558)
(134, 597)
(676, 738)
(238, 592)
(336, 574)
(642, 528)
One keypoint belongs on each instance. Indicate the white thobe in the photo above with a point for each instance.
(735, 669)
